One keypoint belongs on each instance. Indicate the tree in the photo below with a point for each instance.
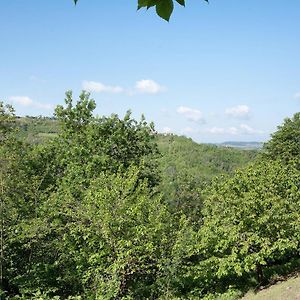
(98, 171)
(252, 220)
(164, 8)
(16, 196)
(285, 142)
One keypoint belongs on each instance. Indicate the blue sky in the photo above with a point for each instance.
(229, 70)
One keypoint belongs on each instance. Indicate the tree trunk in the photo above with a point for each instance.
(259, 273)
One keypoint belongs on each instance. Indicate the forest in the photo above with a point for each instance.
(96, 207)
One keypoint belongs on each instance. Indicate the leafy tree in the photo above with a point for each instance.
(118, 236)
(164, 8)
(7, 121)
(88, 144)
(53, 182)
(17, 195)
(285, 142)
(252, 219)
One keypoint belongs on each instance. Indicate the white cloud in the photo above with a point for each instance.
(99, 87)
(240, 130)
(22, 100)
(144, 86)
(148, 86)
(166, 130)
(245, 129)
(216, 130)
(26, 101)
(191, 114)
(189, 130)
(239, 112)
(233, 131)
(297, 96)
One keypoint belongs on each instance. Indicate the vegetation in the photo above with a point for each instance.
(164, 8)
(284, 289)
(104, 208)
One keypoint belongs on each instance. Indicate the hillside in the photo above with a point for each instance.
(35, 130)
(178, 223)
(288, 290)
(187, 168)
(203, 161)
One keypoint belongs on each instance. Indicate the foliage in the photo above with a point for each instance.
(285, 142)
(95, 213)
(252, 219)
(164, 8)
(187, 168)
(7, 121)
(90, 159)
(37, 130)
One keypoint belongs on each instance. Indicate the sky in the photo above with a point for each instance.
(224, 71)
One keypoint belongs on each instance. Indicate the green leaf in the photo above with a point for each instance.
(142, 3)
(181, 2)
(164, 9)
(151, 3)
(146, 3)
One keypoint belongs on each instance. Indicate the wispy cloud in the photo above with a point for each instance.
(36, 79)
(297, 96)
(144, 86)
(245, 129)
(166, 130)
(148, 86)
(239, 112)
(26, 101)
(99, 87)
(191, 114)
(242, 129)
(189, 130)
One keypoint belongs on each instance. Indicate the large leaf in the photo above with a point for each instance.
(164, 9)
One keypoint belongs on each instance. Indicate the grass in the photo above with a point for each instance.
(287, 290)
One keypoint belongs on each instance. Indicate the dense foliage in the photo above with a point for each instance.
(95, 212)
(285, 142)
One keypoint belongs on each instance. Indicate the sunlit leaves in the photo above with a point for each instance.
(252, 219)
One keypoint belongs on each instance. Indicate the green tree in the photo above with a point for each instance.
(53, 190)
(285, 142)
(17, 195)
(252, 219)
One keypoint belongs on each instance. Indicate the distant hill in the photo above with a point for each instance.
(206, 160)
(36, 130)
(188, 167)
(242, 145)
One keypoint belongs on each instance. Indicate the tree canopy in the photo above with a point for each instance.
(90, 214)
(285, 142)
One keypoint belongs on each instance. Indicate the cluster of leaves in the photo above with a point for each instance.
(252, 219)
(285, 142)
(164, 8)
(86, 214)
(80, 214)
